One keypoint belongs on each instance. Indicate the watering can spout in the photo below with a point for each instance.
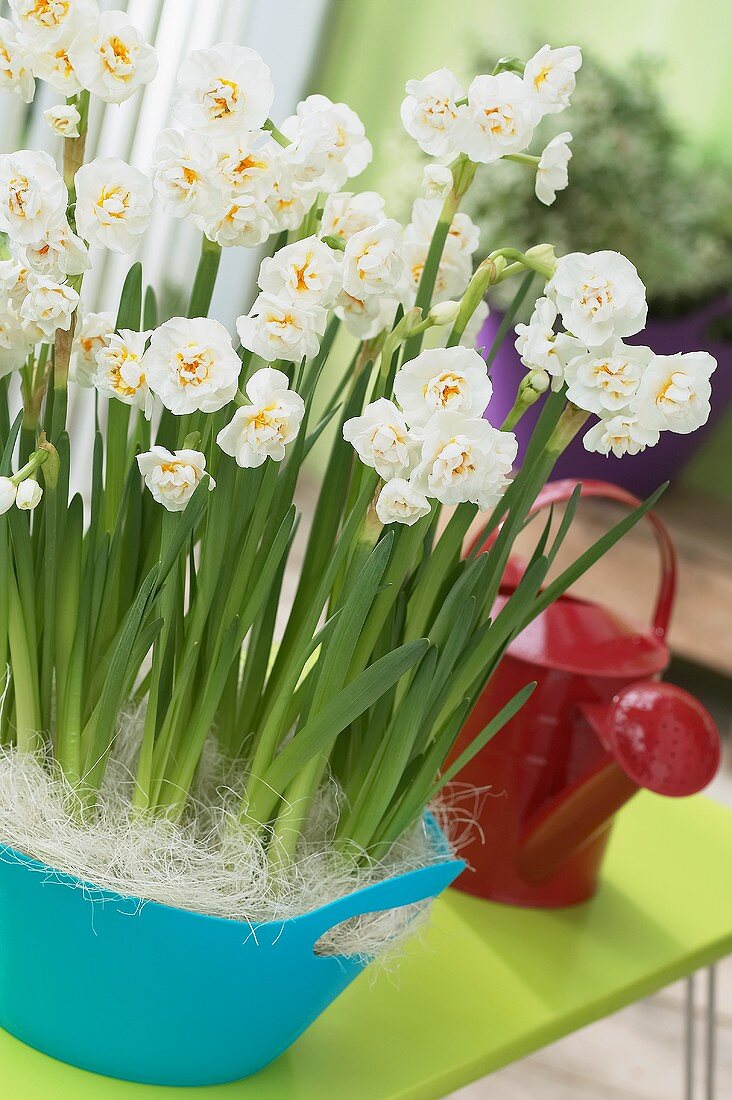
(657, 737)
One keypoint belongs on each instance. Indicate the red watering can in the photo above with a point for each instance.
(599, 727)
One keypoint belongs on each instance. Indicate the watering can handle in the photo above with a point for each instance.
(559, 492)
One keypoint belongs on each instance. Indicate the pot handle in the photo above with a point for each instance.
(392, 893)
(559, 492)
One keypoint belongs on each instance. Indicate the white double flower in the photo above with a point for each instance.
(263, 429)
(191, 365)
(499, 118)
(277, 328)
(113, 203)
(16, 73)
(443, 379)
(328, 143)
(223, 90)
(372, 261)
(598, 296)
(111, 58)
(430, 111)
(173, 476)
(120, 371)
(91, 336)
(307, 272)
(346, 213)
(49, 305)
(550, 76)
(552, 173)
(382, 440)
(33, 196)
(464, 459)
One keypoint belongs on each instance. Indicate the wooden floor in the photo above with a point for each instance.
(701, 629)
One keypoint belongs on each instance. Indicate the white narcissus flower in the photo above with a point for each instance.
(225, 89)
(29, 495)
(33, 197)
(55, 67)
(191, 365)
(243, 220)
(249, 164)
(536, 341)
(277, 328)
(499, 118)
(365, 318)
(173, 476)
(120, 371)
(443, 378)
(329, 143)
(60, 251)
(598, 296)
(43, 23)
(464, 459)
(430, 111)
(436, 181)
(463, 234)
(550, 76)
(605, 380)
(400, 502)
(184, 171)
(372, 261)
(674, 392)
(90, 337)
(14, 274)
(15, 64)
(453, 273)
(621, 434)
(381, 439)
(15, 340)
(112, 59)
(8, 493)
(346, 213)
(306, 271)
(263, 429)
(551, 172)
(113, 202)
(290, 200)
(63, 120)
(49, 305)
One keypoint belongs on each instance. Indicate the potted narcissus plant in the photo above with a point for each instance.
(637, 188)
(241, 813)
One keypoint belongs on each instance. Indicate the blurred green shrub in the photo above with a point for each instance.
(633, 186)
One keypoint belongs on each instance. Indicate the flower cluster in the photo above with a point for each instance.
(435, 443)
(595, 301)
(497, 115)
(223, 169)
(74, 48)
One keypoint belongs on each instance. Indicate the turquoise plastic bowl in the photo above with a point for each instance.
(164, 996)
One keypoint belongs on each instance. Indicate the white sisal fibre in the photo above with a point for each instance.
(208, 862)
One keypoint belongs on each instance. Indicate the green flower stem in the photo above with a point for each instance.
(34, 463)
(524, 258)
(523, 158)
(25, 679)
(570, 422)
(463, 171)
(205, 280)
(74, 149)
(279, 137)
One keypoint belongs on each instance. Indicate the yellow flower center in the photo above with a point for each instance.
(223, 98)
(49, 13)
(17, 192)
(194, 365)
(117, 58)
(541, 76)
(63, 64)
(114, 201)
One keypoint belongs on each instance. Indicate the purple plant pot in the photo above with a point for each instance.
(641, 473)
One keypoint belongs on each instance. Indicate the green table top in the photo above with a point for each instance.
(490, 983)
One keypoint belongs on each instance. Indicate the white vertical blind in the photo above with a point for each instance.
(287, 35)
